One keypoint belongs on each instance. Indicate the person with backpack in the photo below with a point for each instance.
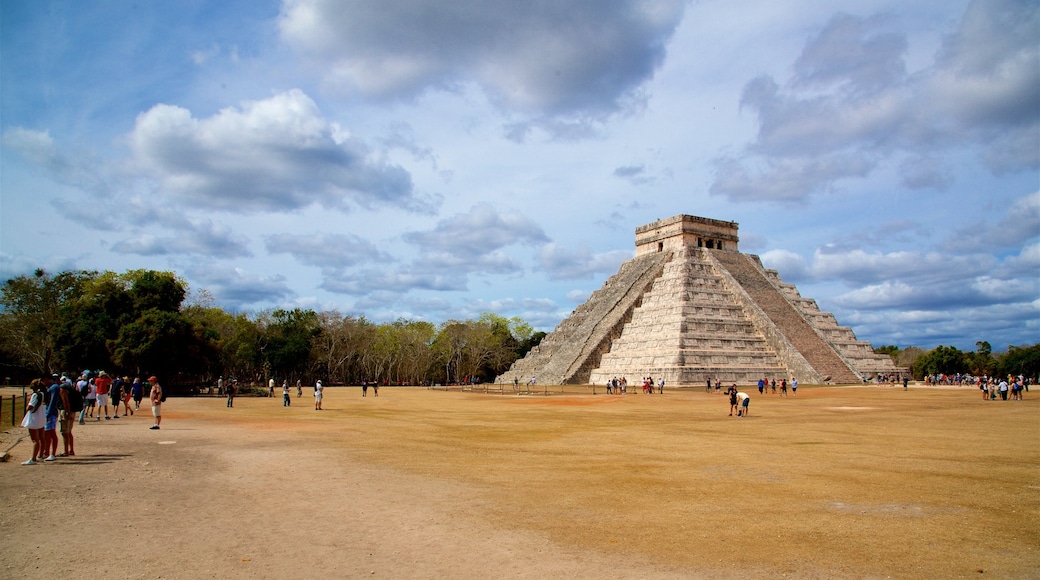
(71, 403)
(89, 396)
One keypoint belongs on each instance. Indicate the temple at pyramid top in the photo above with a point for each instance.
(686, 230)
(689, 308)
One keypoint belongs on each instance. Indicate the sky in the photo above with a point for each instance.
(436, 160)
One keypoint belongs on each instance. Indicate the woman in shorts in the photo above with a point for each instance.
(34, 420)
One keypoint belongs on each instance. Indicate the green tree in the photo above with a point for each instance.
(164, 343)
(288, 341)
(31, 311)
(940, 360)
(1020, 360)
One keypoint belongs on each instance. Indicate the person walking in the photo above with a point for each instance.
(137, 391)
(156, 397)
(116, 394)
(34, 420)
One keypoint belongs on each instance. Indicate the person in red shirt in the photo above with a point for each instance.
(104, 385)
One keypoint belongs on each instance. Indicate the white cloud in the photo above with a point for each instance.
(851, 106)
(275, 154)
(574, 59)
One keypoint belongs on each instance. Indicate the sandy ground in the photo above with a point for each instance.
(839, 482)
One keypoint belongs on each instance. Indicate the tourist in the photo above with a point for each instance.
(660, 386)
(761, 386)
(375, 388)
(89, 396)
(1002, 388)
(270, 387)
(707, 389)
(103, 384)
(220, 385)
(364, 388)
(774, 387)
(744, 400)
(299, 388)
(50, 435)
(906, 383)
(156, 396)
(794, 387)
(127, 395)
(137, 391)
(116, 394)
(230, 389)
(286, 401)
(66, 417)
(35, 419)
(732, 392)
(318, 388)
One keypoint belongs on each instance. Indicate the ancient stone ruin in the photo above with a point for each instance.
(690, 307)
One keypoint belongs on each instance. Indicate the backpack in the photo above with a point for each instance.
(162, 395)
(85, 389)
(75, 399)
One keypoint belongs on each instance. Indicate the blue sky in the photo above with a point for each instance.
(425, 160)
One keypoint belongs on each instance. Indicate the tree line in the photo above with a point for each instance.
(143, 322)
(951, 361)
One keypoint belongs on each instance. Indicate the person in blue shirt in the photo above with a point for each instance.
(50, 433)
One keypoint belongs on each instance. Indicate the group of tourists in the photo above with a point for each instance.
(994, 389)
(765, 383)
(56, 403)
(616, 386)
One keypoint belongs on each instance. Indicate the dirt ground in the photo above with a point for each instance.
(838, 482)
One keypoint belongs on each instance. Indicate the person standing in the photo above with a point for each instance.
(89, 397)
(794, 387)
(50, 434)
(104, 385)
(156, 396)
(364, 387)
(286, 400)
(299, 388)
(318, 388)
(906, 382)
(270, 387)
(66, 418)
(744, 400)
(732, 392)
(231, 387)
(783, 387)
(35, 419)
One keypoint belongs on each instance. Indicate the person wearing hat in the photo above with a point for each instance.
(156, 396)
(318, 388)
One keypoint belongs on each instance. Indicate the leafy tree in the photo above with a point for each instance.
(1024, 360)
(164, 343)
(940, 360)
(31, 311)
(981, 362)
(288, 346)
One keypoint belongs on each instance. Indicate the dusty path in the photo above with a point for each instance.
(420, 484)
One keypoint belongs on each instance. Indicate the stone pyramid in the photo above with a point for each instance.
(690, 307)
